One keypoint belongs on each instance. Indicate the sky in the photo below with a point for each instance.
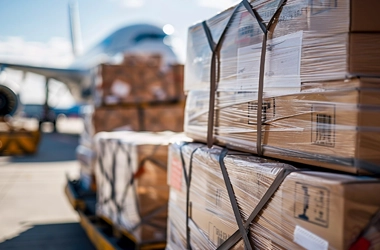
(37, 31)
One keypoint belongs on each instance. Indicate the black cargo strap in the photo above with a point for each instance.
(187, 177)
(265, 28)
(215, 48)
(244, 227)
(147, 218)
(107, 177)
(231, 194)
(111, 179)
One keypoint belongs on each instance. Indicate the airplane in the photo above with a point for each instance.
(80, 75)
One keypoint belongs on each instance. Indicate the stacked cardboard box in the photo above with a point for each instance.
(140, 94)
(328, 124)
(320, 103)
(139, 79)
(147, 117)
(311, 113)
(310, 41)
(132, 190)
(312, 210)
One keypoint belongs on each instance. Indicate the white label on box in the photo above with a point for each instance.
(309, 240)
(282, 64)
(120, 88)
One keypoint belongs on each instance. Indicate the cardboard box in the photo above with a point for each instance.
(312, 41)
(109, 118)
(140, 60)
(131, 180)
(332, 124)
(313, 210)
(164, 117)
(152, 117)
(138, 80)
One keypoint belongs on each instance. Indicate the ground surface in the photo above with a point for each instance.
(34, 212)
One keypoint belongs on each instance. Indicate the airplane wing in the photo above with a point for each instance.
(76, 79)
(61, 74)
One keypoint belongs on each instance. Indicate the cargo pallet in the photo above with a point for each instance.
(101, 231)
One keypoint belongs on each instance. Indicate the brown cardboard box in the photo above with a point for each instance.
(178, 71)
(109, 118)
(312, 41)
(140, 60)
(139, 80)
(364, 53)
(131, 181)
(314, 210)
(152, 117)
(331, 124)
(164, 117)
(364, 16)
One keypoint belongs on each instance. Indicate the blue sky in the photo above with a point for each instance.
(43, 20)
(37, 31)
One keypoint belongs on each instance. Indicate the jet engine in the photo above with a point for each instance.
(8, 101)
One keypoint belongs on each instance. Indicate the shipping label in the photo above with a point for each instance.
(309, 240)
(311, 204)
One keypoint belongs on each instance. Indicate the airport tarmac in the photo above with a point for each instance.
(34, 211)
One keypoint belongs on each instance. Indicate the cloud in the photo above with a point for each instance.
(56, 52)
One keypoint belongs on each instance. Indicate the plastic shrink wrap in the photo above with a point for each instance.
(327, 124)
(85, 151)
(86, 157)
(320, 104)
(132, 190)
(86, 136)
(312, 210)
(310, 41)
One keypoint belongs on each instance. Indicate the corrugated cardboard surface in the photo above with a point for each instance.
(153, 117)
(110, 118)
(326, 125)
(310, 209)
(365, 16)
(131, 181)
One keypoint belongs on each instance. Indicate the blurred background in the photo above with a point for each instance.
(38, 33)
(41, 43)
